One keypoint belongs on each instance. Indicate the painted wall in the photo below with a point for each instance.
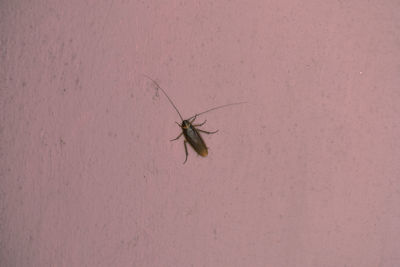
(305, 174)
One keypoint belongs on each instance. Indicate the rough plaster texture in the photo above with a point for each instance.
(306, 174)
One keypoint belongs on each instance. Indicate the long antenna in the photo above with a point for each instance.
(172, 103)
(223, 106)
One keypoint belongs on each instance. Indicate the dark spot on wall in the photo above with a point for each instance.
(62, 142)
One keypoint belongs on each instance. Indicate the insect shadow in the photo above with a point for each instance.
(189, 130)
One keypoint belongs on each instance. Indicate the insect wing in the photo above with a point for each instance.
(194, 139)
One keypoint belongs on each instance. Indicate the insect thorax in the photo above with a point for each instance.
(186, 124)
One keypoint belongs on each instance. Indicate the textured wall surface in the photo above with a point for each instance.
(306, 173)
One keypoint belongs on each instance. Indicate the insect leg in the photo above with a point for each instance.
(186, 152)
(207, 132)
(177, 137)
(201, 124)
(194, 118)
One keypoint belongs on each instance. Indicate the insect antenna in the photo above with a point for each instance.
(170, 101)
(218, 107)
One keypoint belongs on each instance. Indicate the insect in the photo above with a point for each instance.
(189, 130)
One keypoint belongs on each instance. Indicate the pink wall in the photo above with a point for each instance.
(306, 174)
